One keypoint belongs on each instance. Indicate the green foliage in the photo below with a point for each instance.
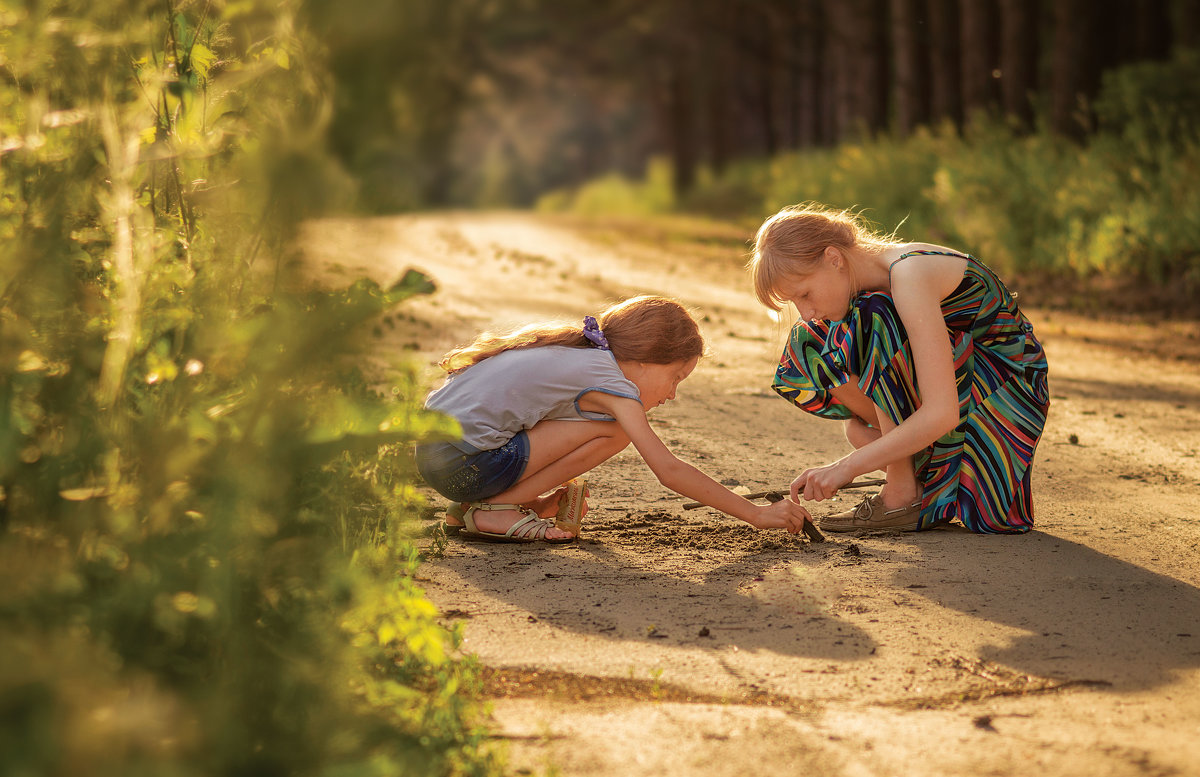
(204, 566)
(617, 195)
(1125, 204)
(406, 68)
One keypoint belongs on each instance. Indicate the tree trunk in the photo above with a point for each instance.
(980, 55)
(808, 54)
(880, 65)
(719, 63)
(1018, 58)
(1185, 23)
(910, 83)
(786, 34)
(681, 124)
(856, 27)
(1071, 66)
(945, 97)
(1151, 38)
(768, 81)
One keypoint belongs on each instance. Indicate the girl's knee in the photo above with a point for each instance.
(859, 433)
(615, 443)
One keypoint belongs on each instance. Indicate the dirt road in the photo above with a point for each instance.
(672, 642)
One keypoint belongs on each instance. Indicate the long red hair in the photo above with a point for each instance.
(649, 329)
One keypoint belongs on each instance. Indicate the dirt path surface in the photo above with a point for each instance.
(675, 642)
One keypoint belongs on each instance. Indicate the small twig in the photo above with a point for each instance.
(812, 532)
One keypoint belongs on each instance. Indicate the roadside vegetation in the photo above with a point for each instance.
(206, 553)
(207, 538)
(1119, 208)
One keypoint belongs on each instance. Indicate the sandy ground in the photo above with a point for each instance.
(676, 642)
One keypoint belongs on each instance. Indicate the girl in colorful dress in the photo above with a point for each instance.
(924, 354)
(547, 403)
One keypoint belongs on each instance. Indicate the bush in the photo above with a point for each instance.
(203, 560)
(1123, 205)
(616, 195)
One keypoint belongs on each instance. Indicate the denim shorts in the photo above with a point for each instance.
(462, 476)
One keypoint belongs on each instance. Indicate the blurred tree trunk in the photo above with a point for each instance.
(945, 97)
(980, 55)
(671, 51)
(860, 59)
(1018, 58)
(681, 126)
(910, 81)
(768, 78)
(1185, 23)
(720, 62)
(810, 54)
(1071, 64)
(790, 15)
(1151, 34)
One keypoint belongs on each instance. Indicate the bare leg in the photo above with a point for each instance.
(558, 451)
(859, 434)
(902, 488)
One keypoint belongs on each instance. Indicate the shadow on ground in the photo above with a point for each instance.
(1064, 589)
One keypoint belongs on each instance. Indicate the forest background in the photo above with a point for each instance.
(206, 558)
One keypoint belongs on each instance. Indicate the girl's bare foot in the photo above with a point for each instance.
(547, 506)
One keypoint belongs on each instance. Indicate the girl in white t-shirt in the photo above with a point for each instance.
(544, 404)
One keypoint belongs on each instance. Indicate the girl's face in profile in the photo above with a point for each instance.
(822, 294)
(657, 382)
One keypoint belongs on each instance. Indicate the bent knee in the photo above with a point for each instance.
(615, 443)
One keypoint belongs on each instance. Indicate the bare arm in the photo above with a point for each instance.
(683, 478)
(918, 287)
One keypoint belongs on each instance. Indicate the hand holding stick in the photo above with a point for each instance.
(782, 492)
(774, 495)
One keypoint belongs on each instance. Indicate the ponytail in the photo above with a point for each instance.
(649, 329)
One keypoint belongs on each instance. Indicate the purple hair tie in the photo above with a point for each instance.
(591, 330)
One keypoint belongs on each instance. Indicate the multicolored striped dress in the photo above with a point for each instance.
(979, 473)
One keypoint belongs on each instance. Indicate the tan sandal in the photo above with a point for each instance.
(531, 528)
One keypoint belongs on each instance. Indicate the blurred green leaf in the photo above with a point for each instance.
(187, 571)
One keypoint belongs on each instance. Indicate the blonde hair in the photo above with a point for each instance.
(792, 242)
(649, 329)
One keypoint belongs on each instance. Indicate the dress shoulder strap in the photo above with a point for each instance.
(926, 252)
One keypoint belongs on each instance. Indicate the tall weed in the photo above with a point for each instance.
(203, 567)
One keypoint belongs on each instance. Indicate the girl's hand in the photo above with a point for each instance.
(821, 483)
(784, 514)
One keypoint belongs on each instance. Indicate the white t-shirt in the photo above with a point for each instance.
(513, 390)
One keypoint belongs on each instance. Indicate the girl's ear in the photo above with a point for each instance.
(833, 256)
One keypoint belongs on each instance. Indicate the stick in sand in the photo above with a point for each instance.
(810, 530)
(782, 492)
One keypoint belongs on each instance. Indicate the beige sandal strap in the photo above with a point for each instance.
(531, 526)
